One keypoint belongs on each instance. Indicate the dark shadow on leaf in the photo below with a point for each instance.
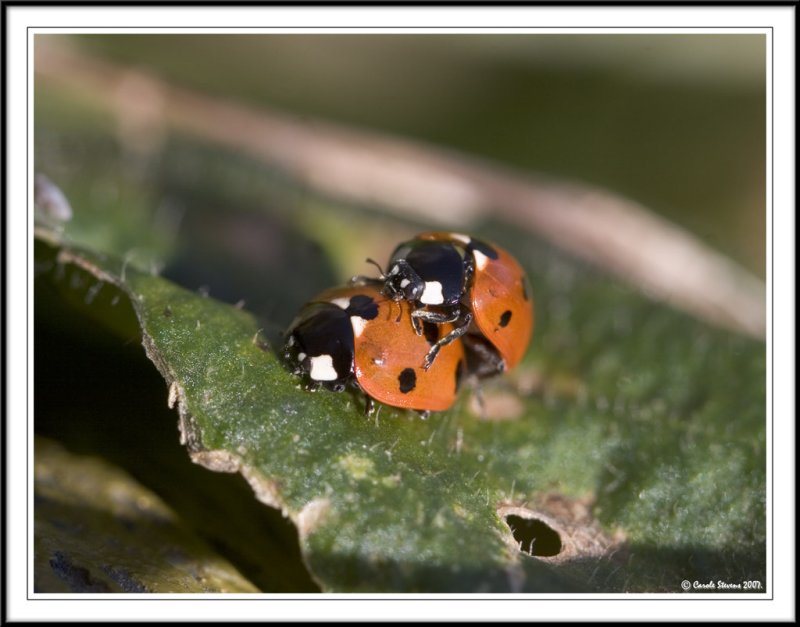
(354, 574)
(248, 258)
(97, 393)
(641, 568)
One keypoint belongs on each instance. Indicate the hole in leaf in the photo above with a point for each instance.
(534, 537)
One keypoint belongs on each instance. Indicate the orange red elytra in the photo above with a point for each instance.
(448, 305)
(477, 286)
(355, 335)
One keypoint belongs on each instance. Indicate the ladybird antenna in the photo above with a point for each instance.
(375, 263)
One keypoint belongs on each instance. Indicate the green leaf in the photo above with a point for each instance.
(339, 476)
(627, 451)
(634, 433)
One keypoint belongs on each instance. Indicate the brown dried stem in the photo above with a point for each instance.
(424, 181)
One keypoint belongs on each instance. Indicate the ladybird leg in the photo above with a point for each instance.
(450, 337)
(369, 406)
(436, 317)
(415, 322)
(424, 414)
(432, 316)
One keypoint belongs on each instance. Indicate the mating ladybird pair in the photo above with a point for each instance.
(447, 307)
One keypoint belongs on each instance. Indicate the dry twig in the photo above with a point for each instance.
(414, 179)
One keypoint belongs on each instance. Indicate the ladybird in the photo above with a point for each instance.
(357, 336)
(479, 288)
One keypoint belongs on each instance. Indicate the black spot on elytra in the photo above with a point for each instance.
(363, 307)
(505, 318)
(430, 331)
(483, 247)
(408, 380)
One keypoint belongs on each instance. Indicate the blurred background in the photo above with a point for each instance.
(675, 122)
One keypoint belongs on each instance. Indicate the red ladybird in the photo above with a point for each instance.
(450, 278)
(355, 335)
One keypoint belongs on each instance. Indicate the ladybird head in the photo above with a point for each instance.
(427, 273)
(402, 282)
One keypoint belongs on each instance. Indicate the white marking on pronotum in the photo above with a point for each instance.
(394, 271)
(301, 356)
(460, 237)
(404, 282)
(341, 303)
(432, 294)
(322, 368)
(358, 325)
(481, 260)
